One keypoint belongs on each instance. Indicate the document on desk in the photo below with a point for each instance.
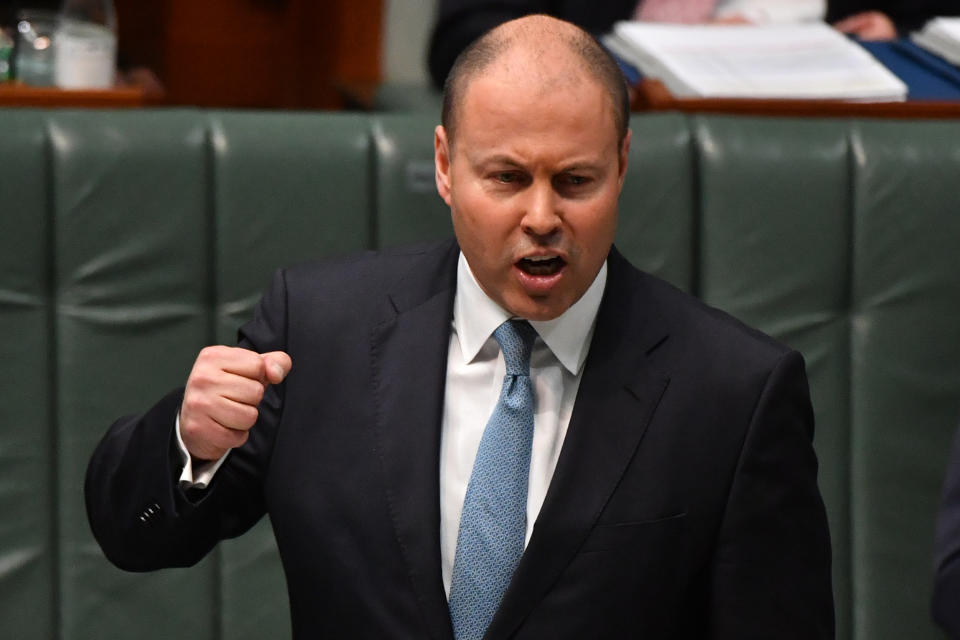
(942, 37)
(755, 61)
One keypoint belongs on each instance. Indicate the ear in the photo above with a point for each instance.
(441, 160)
(624, 156)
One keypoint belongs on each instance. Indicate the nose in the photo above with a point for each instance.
(541, 217)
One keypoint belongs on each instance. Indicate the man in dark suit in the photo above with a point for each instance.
(669, 490)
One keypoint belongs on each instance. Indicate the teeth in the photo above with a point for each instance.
(540, 258)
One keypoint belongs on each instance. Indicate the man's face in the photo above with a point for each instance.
(532, 182)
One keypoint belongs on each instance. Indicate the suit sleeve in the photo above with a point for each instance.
(139, 515)
(946, 584)
(771, 574)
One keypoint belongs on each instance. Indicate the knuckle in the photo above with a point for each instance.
(195, 414)
(249, 415)
(199, 379)
(203, 376)
(190, 404)
(201, 404)
(259, 365)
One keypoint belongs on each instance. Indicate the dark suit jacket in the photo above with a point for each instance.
(684, 503)
(946, 585)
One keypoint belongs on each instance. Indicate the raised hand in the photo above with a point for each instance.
(223, 392)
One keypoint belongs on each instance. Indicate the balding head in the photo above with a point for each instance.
(541, 50)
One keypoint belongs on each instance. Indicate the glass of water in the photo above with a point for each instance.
(34, 53)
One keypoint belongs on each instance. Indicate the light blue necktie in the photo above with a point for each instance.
(494, 518)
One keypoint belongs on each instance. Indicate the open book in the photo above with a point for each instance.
(755, 61)
(942, 37)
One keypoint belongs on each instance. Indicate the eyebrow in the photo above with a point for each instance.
(496, 159)
(579, 165)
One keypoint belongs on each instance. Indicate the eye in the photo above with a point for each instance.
(508, 179)
(572, 181)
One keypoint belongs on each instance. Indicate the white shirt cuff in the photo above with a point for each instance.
(196, 476)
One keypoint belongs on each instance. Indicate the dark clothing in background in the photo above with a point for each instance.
(9, 9)
(460, 22)
(907, 15)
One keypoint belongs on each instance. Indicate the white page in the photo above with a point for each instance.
(942, 37)
(949, 27)
(768, 61)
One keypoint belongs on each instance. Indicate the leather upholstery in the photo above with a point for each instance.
(130, 239)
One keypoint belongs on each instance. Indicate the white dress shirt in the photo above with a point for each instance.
(475, 371)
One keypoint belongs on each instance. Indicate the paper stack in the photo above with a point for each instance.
(755, 61)
(942, 37)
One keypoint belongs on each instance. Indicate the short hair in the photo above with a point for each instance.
(486, 49)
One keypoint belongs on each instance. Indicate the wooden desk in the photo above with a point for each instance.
(652, 95)
(13, 95)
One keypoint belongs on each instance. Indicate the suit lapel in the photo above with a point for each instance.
(409, 357)
(618, 395)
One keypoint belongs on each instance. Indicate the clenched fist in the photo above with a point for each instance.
(223, 391)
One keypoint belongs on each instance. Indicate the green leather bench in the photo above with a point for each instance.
(130, 239)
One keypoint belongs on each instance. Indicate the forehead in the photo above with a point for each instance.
(542, 109)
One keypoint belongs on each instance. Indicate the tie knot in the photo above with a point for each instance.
(515, 338)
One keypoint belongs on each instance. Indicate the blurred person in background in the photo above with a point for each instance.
(886, 19)
(460, 22)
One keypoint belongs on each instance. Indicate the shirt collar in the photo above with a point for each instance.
(476, 316)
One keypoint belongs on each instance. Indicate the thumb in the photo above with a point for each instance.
(277, 365)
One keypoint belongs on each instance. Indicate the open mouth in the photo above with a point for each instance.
(541, 265)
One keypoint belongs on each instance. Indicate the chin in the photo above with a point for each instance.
(538, 310)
